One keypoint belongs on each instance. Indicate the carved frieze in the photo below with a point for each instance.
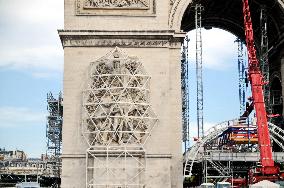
(139, 43)
(125, 39)
(116, 7)
(117, 4)
(116, 102)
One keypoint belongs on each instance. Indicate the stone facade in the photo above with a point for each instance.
(148, 30)
(136, 28)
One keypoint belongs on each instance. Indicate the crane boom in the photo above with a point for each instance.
(256, 80)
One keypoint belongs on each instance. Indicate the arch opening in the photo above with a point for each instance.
(227, 15)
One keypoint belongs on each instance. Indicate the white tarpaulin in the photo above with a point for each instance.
(265, 184)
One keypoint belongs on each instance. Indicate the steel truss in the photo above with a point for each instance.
(185, 93)
(54, 131)
(199, 71)
(264, 64)
(117, 120)
(197, 152)
(211, 166)
(106, 164)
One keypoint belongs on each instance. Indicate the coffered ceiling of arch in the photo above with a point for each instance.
(227, 15)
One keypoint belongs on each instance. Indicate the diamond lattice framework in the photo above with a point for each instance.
(118, 169)
(116, 102)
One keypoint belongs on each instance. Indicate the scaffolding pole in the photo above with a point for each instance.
(185, 94)
(264, 64)
(199, 79)
(213, 169)
(241, 71)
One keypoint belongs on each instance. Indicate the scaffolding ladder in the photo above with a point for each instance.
(185, 93)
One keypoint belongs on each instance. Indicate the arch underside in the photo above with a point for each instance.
(227, 15)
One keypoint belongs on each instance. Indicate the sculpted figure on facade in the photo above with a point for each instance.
(116, 101)
(116, 4)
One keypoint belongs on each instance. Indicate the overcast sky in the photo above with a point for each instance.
(31, 64)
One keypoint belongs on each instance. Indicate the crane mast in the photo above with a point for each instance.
(256, 80)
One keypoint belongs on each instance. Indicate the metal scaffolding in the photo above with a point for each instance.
(117, 119)
(199, 74)
(213, 158)
(54, 131)
(242, 77)
(185, 93)
(264, 64)
(215, 170)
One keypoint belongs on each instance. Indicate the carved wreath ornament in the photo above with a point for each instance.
(116, 105)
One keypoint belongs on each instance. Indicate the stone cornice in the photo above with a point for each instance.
(128, 39)
(147, 156)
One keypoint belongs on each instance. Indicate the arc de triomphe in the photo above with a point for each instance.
(122, 92)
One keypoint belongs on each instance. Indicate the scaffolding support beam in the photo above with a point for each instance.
(199, 74)
(264, 64)
(185, 93)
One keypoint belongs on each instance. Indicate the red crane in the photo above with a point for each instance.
(268, 170)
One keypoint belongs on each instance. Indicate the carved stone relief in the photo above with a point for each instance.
(117, 4)
(116, 103)
(135, 43)
(173, 12)
(116, 7)
(123, 39)
(171, 3)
